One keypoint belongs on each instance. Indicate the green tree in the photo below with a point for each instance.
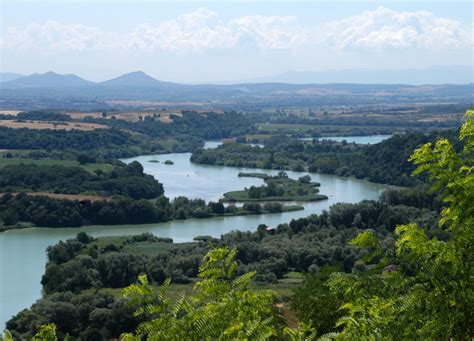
(7, 336)
(431, 295)
(46, 332)
(223, 308)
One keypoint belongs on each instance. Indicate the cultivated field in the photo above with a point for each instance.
(9, 112)
(129, 116)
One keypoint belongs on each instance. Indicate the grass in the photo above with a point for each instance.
(284, 292)
(146, 247)
(282, 288)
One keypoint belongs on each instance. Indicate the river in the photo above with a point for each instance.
(22, 252)
(372, 139)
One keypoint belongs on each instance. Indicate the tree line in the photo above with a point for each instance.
(384, 162)
(125, 180)
(22, 210)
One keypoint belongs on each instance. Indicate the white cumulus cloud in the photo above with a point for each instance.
(196, 31)
(203, 29)
(52, 35)
(385, 28)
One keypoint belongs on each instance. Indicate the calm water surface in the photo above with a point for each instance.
(22, 252)
(372, 139)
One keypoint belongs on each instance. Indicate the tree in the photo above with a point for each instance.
(6, 337)
(223, 308)
(314, 302)
(305, 179)
(46, 332)
(10, 217)
(431, 295)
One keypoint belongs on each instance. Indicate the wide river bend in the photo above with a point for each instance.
(22, 252)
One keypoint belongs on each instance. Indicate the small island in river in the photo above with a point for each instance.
(277, 188)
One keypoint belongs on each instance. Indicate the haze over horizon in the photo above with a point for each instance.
(191, 42)
(434, 75)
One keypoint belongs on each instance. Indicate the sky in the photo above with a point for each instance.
(192, 41)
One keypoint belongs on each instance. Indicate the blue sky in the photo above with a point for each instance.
(228, 40)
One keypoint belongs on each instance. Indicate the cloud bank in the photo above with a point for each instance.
(386, 28)
(203, 29)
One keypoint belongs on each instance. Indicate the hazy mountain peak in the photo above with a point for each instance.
(48, 79)
(136, 78)
(453, 74)
(9, 76)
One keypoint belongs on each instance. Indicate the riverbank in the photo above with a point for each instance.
(231, 211)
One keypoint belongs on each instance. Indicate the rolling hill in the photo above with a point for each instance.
(46, 80)
(9, 76)
(137, 79)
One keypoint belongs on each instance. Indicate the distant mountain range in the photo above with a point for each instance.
(54, 80)
(139, 79)
(52, 90)
(9, 76)
(432, 75)
(46, 80)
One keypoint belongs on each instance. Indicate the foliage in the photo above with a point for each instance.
(46, 332)
(7, 336)
(83, 316)
(223, 308)
(278, 188)
(314, 302)
(385, 162)
(431, 296)
(43, 116)
(304, 332)
(304, 245)
(126, 180)
(43, 211)
(106, 142)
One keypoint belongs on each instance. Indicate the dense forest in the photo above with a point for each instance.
(111, 143)
(125, 180)
(22, 210)
(385, 162)
(204, 125)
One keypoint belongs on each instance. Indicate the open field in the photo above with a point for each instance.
(283, 288)
(9, 112)
(129, 116)
(51, 125)
(134, 116)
